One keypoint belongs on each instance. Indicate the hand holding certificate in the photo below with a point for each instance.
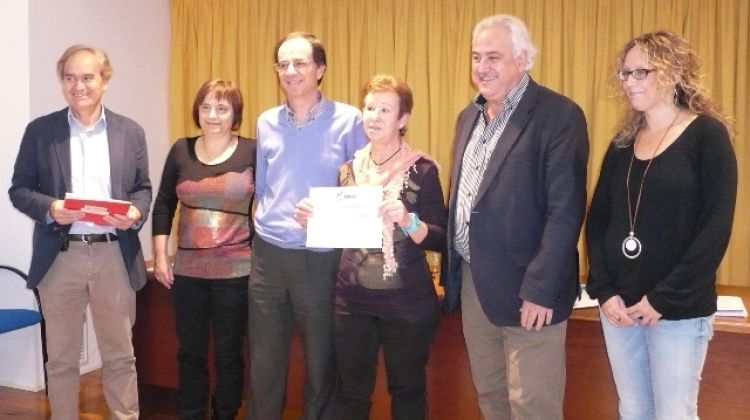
(345, 217)
(94, 209)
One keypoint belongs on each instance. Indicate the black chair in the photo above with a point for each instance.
(23, 351)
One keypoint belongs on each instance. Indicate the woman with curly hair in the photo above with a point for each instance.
(658, 227)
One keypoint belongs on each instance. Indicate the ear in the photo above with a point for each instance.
(403, 120)
(321, 70)
(521, 59)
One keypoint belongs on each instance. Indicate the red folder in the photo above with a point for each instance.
(94, 209)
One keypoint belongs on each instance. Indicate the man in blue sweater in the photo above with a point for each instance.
(301, 144)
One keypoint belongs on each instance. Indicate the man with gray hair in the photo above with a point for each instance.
(517, 201)
(91, 151)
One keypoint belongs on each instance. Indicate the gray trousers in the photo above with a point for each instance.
(290, 287)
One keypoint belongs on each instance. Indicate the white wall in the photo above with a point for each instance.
(134, 33)
(14, 114)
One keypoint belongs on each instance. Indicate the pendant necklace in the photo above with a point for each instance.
(631, 246)
(378, 165)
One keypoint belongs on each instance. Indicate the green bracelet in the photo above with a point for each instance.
(413, 226)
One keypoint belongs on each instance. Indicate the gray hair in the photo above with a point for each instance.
(105, 67)
(519, 35)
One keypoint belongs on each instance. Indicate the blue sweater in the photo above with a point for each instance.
(291, 160)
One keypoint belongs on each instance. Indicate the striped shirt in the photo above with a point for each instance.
(478, 151)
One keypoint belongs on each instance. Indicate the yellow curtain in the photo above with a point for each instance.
(427, 42)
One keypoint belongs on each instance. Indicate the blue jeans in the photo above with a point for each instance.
(657, 370)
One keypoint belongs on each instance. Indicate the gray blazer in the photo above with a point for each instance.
(527, 215)
(42, 174)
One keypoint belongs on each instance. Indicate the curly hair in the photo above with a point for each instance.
(676, 67)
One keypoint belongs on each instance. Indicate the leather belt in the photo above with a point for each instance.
(90, 238)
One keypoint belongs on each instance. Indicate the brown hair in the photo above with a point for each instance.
(676, 66)
(220, 89)
(318, 50)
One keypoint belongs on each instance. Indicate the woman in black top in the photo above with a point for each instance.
(658, 227)
(384, 297)
(211, 179)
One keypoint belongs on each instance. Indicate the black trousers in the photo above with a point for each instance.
(202, 306)
(406, 346)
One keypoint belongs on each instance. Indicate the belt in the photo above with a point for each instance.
(90, 238)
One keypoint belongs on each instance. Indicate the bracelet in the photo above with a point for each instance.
(413, 226)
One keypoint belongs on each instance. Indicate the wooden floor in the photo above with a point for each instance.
(452, 395)
(590, 392)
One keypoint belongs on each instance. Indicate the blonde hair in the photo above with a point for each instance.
(676, 67)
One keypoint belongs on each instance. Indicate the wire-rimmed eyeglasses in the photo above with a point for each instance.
(298, 65)
(638, 74)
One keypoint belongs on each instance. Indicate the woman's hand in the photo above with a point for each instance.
(616, 312)
(643, 310)
(303, 211)
(163, 270)
(393, 211)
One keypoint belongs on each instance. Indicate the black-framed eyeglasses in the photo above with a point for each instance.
(638, 74)
(297, 64)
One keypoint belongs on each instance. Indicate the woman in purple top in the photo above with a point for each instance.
(211, 178)
(385, 297)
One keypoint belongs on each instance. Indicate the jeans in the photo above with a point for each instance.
(406, 346)
(657, 370)
(200, 306)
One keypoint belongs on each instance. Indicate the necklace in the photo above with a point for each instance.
(378, 165)
(631, 246)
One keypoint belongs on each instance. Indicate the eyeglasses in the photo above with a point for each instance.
(297, 64)
(638, 74)
(219, 109)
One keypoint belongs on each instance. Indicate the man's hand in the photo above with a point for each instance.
(62, 215)
(534, 316)
(124, 221)
(303, 211)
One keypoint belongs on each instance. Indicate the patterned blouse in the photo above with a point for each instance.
(214, 229)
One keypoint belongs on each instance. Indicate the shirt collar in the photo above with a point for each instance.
(100, 123)
(314, 113)
(511, 101)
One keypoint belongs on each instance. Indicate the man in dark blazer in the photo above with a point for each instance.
(517, 201)
(91, 151)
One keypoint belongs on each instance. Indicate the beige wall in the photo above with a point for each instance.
(135, 34)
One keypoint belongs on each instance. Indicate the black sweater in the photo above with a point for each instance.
(684, 223)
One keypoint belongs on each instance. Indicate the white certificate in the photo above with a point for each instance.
(345, 217)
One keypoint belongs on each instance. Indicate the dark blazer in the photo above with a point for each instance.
(527, 215)
(42, 174)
